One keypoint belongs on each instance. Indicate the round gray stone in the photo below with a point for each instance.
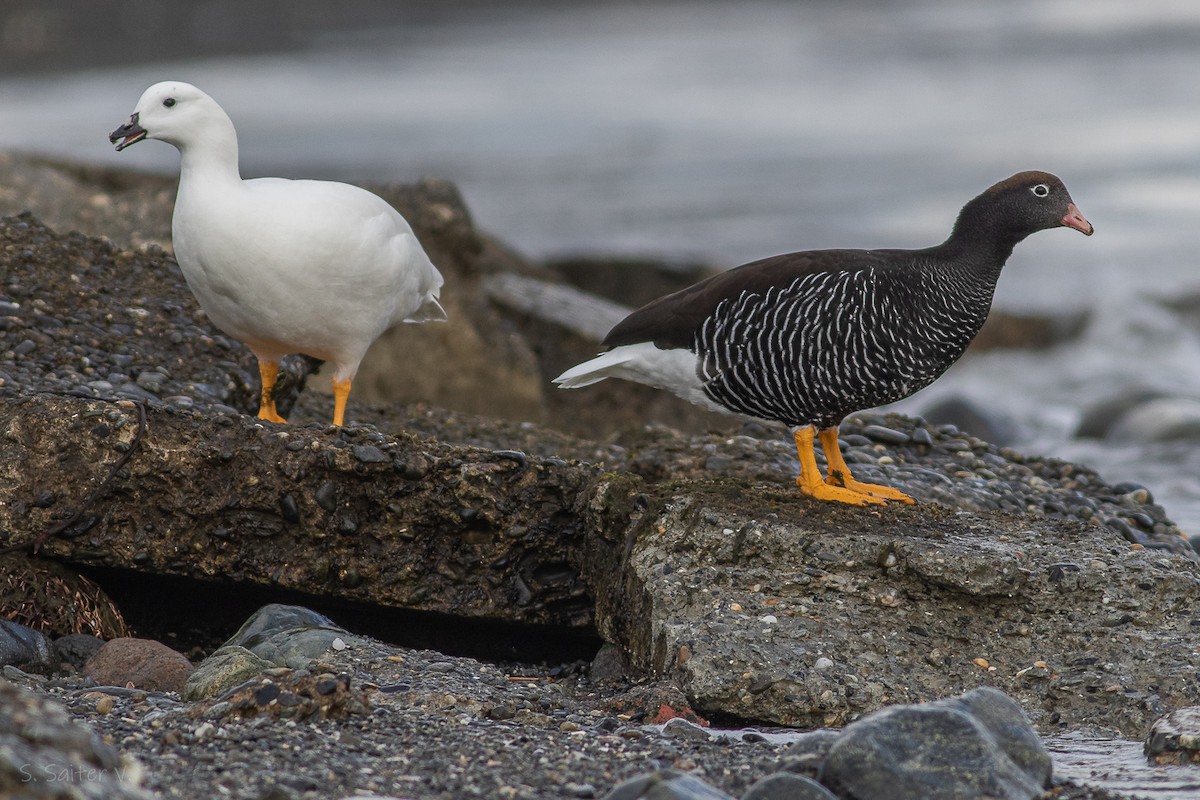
(225, 668)
(786, 786)
(665, 785)
(274, 618)
(1163, 419)
(1009, 726)
(23, 647)
(933, 751)
(679, 728)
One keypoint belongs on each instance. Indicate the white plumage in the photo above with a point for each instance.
(286, 266)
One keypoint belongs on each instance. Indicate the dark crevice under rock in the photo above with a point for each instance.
(196, 617)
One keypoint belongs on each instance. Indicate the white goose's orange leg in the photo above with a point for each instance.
(268, 371)
(341, 390)
(839, 472)
(810, 481)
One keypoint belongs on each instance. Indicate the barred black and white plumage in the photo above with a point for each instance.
(830, 343)
(807, 338)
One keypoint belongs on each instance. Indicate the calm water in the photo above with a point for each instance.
(730, 131)
(1120, 766)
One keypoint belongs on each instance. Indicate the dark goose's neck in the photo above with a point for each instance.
(959, 276)
(982, 240)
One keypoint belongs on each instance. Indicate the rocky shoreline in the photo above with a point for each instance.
(721, 596)
(406, 724)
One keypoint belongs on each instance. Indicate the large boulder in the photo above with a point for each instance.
(767, 608)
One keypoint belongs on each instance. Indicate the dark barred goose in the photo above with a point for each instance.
(807, 338)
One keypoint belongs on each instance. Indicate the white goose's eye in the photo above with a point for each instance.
(1041, 190)
(170, 101)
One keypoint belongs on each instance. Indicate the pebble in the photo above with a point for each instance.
(923, 437)
(370, 454)
(1126, 530)
(75, 649)
(886, 435)
(679, 728)
(104, 704)
(151, 381)
(665, 785)
(289, 509)
(326, 496)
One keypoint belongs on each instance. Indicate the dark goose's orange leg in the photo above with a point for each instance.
(810, 481)
(839, 472)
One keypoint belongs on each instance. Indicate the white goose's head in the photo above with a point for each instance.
(179, 114)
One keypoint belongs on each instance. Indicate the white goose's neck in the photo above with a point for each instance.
(211, 158)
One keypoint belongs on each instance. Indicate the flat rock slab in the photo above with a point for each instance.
(764, 607)
(350, 514)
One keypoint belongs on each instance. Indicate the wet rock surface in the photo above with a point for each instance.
(725, 593)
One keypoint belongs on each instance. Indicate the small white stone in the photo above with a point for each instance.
(823, 663)
(770, 619)
(339, 645)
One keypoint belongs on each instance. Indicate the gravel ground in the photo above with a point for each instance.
(436, 727)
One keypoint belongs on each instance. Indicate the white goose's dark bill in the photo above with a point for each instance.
(129, 133)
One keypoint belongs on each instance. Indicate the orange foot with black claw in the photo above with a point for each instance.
(821, 490)
(812, 484)
(839, 472)
(872, 490)
(268, 371)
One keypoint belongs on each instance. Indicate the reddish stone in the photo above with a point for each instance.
(140, 663)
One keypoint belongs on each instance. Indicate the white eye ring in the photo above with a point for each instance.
(1041, 190)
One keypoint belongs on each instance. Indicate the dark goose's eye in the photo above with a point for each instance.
(1041, 190)
(170, 101)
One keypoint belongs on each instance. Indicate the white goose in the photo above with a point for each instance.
(312, 267)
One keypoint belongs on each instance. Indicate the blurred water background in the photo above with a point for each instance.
(723, 132)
